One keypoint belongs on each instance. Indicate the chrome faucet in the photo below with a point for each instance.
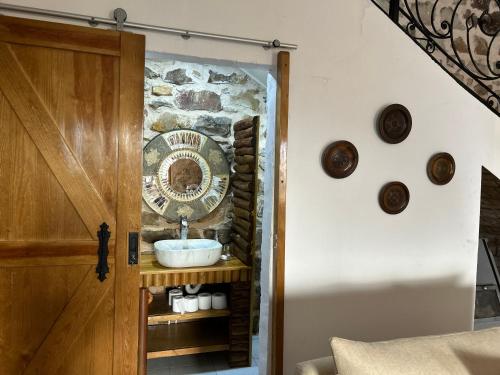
(184, 228)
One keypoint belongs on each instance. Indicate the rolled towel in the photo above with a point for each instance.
(172, 293)
(219, 301)
(191, 303)
(178, 304)
(204, 301)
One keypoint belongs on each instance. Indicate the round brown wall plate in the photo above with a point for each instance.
(394, 197)
(441, 168)
(340, 159)
(394, 123)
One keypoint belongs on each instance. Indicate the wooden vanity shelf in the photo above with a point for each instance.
(172, 334)
(153, 274)
(161, 313)
(200, 336)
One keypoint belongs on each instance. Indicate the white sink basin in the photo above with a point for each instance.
(187, 253)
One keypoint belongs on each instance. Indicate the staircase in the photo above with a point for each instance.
(462, 36)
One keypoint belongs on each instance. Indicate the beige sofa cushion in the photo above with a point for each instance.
(320, 366)
(469, 353)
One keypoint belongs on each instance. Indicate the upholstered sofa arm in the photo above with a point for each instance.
(320, 366)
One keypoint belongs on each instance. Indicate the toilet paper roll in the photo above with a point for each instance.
(191, 303)
(204, 301)
(172, 293)
(192, 288)
(219, 301)
(178, 304)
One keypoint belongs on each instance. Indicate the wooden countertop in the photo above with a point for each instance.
(154, 274)
(150, 265)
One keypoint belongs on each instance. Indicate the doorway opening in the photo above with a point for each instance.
(215, 98)
(487, 306)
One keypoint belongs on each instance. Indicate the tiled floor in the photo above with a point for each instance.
(203, 364)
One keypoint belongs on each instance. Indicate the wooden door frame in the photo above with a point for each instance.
(129, 203)
(280, 180)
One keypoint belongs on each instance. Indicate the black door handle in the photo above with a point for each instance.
(102, 264)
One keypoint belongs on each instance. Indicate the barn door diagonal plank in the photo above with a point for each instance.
(43, 130)
(69, 326)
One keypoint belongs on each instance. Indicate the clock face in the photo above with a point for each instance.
(185, 173)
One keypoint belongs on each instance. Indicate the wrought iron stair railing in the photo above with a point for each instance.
(462, 36)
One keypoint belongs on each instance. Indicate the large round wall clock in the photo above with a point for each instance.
(185, 173)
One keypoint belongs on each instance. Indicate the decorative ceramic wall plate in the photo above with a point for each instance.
(340, 159)
(441, 168)
(185, 173)
(394, 197)
(394, 123)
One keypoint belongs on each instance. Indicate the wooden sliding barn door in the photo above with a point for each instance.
(71, 107)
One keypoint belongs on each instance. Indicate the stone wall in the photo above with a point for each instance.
(210, 99)
(203, 97)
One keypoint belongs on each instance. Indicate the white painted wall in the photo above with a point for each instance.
(352, 270)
